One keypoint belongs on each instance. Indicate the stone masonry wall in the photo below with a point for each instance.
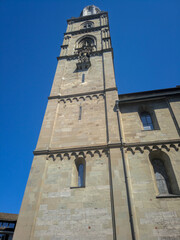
(75, 213)
(155, 218)
(133, 128)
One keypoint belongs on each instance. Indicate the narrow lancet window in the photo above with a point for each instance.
(161, 176)
(80, 112)
(81, 175)
(83, 78)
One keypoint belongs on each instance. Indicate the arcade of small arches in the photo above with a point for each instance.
(160, 147)
(82, 98)
(78, 160)
(78, 154)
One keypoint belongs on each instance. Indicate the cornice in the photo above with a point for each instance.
(67, 150)
(166, 145)
(87, 30)
(143, 96)
(132, 147)
(83, 18)
(151, 143)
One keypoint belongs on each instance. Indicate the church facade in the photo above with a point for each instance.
(106, 166)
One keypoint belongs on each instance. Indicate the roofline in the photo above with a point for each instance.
(159, 93)
(8, 217)
(82, 18)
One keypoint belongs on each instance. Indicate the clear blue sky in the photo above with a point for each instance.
(145, 37)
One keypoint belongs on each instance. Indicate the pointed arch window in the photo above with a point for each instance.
(147, 121)
(86, 42)
(84, 48)
(161, 176)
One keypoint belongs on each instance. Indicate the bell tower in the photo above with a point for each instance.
(76, 186)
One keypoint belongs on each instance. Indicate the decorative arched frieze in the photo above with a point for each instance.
(95, 96)
(97, 153)
(165, 147)
(59, 156)
(150, 148)
(147, 148)
(81, 154)
(69, 100)
(175, 146)
(90, 153)
(155, 147)
(141, 150)
(75, 99)
(66, 156)
(51, 157)
(62, 101)
(130, 149)
(101, 96)
(71, 156)
(105, 152)
(81, 98)
(88, 97)
(74, 154)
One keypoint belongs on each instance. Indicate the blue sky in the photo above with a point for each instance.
(145, 37)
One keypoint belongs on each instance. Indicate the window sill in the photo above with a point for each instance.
(168, 196)
(77, 187)
(149, 130)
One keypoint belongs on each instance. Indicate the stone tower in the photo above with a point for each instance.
(77, 179)
(105, 167)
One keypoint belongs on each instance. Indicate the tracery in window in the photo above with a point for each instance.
(86, 42)
(84, 48)
(147, 121)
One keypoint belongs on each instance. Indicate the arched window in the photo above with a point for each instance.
(81, 175)
(78, 173)
(164, 174)
(87, 25)
(162, 179)
(147, 121)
